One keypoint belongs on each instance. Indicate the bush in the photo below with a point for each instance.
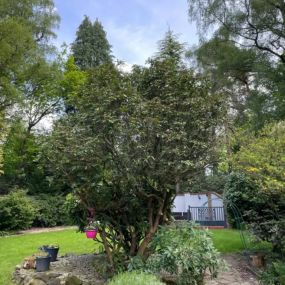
(183, 252)
(134, 277)
(264, 211)
(275, 274)
(239, 193)
(50, 211)
(16, 211)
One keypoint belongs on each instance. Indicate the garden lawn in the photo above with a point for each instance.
(14, 249)
(229, 241)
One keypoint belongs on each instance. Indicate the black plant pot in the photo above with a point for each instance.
(42, 263)
(52, 251)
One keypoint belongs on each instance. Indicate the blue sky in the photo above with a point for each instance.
(133, 26)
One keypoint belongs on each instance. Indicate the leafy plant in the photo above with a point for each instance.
(92, 226)
(275, 274)
(183, 252)
(41, 254)
(135, 277)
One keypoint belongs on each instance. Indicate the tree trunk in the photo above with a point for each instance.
(107, 248)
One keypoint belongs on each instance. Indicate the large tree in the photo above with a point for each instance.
(132, 139)
(245, 55)
(25, 26)
(91, 47)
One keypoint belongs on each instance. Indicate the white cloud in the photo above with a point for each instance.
(132, 44)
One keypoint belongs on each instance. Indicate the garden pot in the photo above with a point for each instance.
(52, 251)
(257, 260)
(42, 263)
(91, 233)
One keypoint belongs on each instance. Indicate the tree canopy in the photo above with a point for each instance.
(91, 47)
(245, 55)
(132, 139)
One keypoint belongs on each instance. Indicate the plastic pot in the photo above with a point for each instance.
(91, 233)
(52, 251)
(42, 263)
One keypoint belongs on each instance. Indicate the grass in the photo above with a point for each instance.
(14, 249)
(229, 241)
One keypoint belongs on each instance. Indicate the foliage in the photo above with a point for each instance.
(2, 137)
(134, 277)
(255, 23)
(50, 211)
(72, 82)
(208, 183)
(91, 47)
(75, 211)
(93, 225)
(259, 192)
(261, 157)
(185, 252)
(40, 91)
(25, 27)
(16, 211)
(28, 84)
(133, 138)
(275, 274)
(239, 193)
(245, 55)
(21, 165)
(263, 211)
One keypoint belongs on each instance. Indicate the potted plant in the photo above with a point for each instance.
(42, 261)
(52, 249)
(91, 229)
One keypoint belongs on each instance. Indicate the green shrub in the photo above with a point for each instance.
(135, 278)
(263, 211)
(16, 211)
(184, 252)
(275, 274)
(50, 211)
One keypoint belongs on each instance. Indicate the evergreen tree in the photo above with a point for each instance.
(91, 47)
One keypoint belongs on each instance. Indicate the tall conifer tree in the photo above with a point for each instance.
(91, 47)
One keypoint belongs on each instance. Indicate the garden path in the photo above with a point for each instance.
(44, 230)
(237, 272)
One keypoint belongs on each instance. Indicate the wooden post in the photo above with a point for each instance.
(210, 208)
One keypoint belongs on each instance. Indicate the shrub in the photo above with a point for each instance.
(184, 252)
(275, 274)
(239, 193)
(135, 277)
(16, 211)
(264, 211)
(50, 211)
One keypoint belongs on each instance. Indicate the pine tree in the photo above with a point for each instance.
(91, 47)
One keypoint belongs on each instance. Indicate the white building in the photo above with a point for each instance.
(204, 208)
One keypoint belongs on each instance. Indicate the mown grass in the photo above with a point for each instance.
(230, 241)
(14, 249)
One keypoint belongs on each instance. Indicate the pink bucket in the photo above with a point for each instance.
(91, 234)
